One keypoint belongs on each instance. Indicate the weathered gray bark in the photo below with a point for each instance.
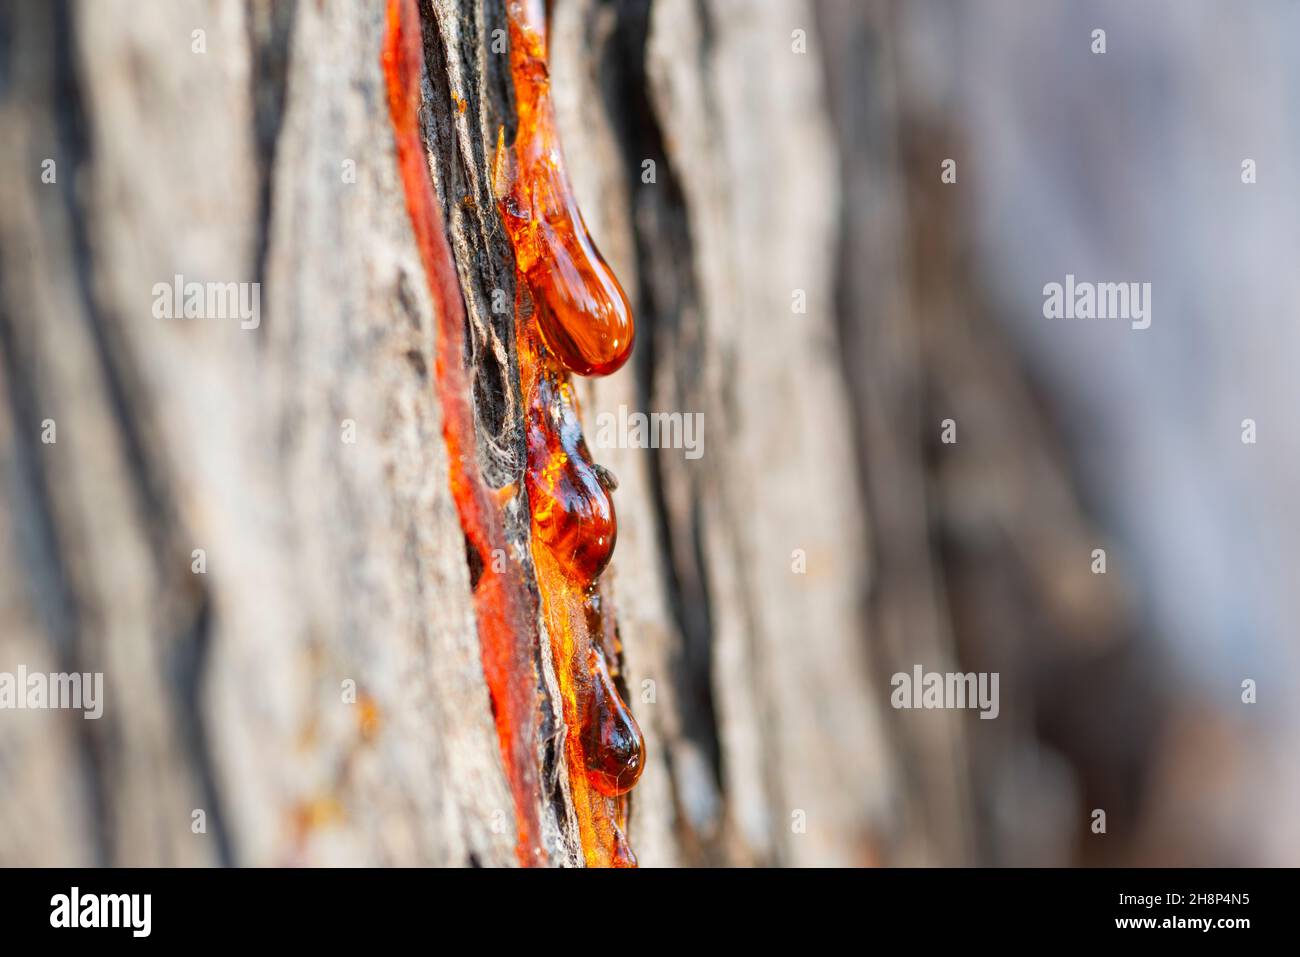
(766, 722)
(327, 561)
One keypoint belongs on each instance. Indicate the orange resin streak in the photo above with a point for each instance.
(581, 310)
(505, 611)
(582, 324)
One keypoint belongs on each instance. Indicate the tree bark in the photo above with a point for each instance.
(239, 527)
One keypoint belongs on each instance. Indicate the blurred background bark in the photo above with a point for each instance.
(764, 178)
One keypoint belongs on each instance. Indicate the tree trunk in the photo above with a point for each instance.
(250, 531)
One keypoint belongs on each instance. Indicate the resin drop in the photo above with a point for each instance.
(581, 311)
(611, 738)
(573, 513)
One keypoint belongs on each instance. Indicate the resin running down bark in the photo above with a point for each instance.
(503, 606)
(604, 747)
(584, 325)
(581, 310)
(580, 322)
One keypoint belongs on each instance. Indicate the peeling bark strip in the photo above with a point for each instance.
(505, 611)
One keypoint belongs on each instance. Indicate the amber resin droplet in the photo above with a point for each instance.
(611, 738)
(581, 310)
(573, 513)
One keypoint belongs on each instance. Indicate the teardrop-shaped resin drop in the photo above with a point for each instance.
(581, 310)
(612, 742)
